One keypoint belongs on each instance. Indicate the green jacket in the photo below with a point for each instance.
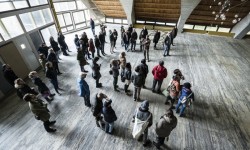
(39, 109)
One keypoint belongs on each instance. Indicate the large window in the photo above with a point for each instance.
(11, 31)
(48, 32)
(65, 6)
(12, 4)
(209, 28)
(32, 20)
(37, 2)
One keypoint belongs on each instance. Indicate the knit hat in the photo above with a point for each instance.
(107, 103)
(187, 85)
(144, 105)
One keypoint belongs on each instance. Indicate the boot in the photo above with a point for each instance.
(47, 128)
(48, 99)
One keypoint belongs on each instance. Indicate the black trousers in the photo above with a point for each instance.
(159, 85)
(115, 82)
(160, 140)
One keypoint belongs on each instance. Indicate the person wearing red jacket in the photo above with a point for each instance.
(159, 72)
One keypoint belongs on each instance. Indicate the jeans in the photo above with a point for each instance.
(54, 82)
(126, 46)
(159, 85)
(166, 50)
(182, 108)
(109, 127)
(137, 92)
(102, 48)
(133, 44)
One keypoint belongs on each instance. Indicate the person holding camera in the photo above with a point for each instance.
(115, 72)
(96, 72)
(40, 110)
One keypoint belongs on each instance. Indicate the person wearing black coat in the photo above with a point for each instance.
(42, 87)
(76, 41)
(173, 35)
(97, 109)
(53, 59)
(109, 116)
(43, 49)
(84, 41)
(133, 39)
(63, 45)
(9, 74)
(167, 44)
(55, 47)
(96, 72)
(115, 33)
(130, 28)
(97, 45)
(112, 41)
(142, 37)
(143, 71)
(126, 40)
(156, 38)
(122, 32)
(127, 76)
(102, 41)
(23, 88)
(51, 74)
(137, 80)
(92, 25)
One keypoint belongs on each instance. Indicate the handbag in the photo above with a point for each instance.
(139, 126)
(110, 72)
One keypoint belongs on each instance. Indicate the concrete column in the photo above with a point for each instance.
(128, 7)
(187, 7)
(242, 28)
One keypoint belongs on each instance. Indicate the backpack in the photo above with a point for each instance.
(187, 100)
(172, 87)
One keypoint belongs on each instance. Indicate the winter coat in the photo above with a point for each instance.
(147, 43)
(43, 50)
(115, 35)
(143, 34)
(143, 115)
(83, 87)
(134, 36)
(10, 76)
(39, 109)
(177, 89)
(125, 38)
(111, 37)
(115, 70)
(96, 71)
(24, 89)
(143, 69)
(91, 46)
(109, 114)
(84, 43)
(165, 125)
(97, 43)
(157, 37)
(128, 74)
(97, 108)
(52, 58)
(174, 32)
(137, 79)
(102, 38)
(167, 40)
(61, 41)
(76, 41)
(55, 46)
(81, 59)
(41, 86)
(122, 62)
(130, 29)
(186, 92)
(51, 74)
(159, 72)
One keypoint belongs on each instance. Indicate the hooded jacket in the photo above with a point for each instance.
(39, 109)
(159, 72)
(165, 125)
(143, 113)
(137, 79)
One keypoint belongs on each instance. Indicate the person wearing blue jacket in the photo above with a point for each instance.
(109, 116)
(186, 92)
(84, 89)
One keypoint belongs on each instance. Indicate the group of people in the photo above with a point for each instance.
(102, 110)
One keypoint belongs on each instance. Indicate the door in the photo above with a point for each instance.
(25, 50)
(36, 39)
(5, 87)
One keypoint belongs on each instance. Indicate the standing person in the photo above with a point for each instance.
(159, 72)
(52, 75)
(186, 93)
(92, 25)
(102, 41)
(103, 29)
(115, 71)
(92, 47)
(52, 58)
(96, 72)
(81, 60)
(122, 32)
(133, 40)
(178, 74)
(115, 33)
(164, 127)
(55, 47)
(142, 37)
(43, 49)
(23, 88)
(127, 76)
(40, 110)
(167, 43)
(126, 40)
(61, 41)
(137, 80)
(42, 61)
(97, 109)
(112, 42)
(77, 42)
(42, 88)
(146, 48)
(143, 114)
(9, 74)
(84, 89)
(156, 38)
(122, 60)
(97, 45)
(174, 89)
(84, 45)
(130, 28)
(109, 116)
(143, 71)
(173, 35)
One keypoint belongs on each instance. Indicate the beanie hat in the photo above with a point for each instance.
(106, 103)
(187, 85)
(144, 105)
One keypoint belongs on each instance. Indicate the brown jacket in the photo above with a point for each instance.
(122, 62)
(165, 125)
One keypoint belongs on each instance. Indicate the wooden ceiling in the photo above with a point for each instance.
(202, 14)
(110, 8)
(157, 10)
